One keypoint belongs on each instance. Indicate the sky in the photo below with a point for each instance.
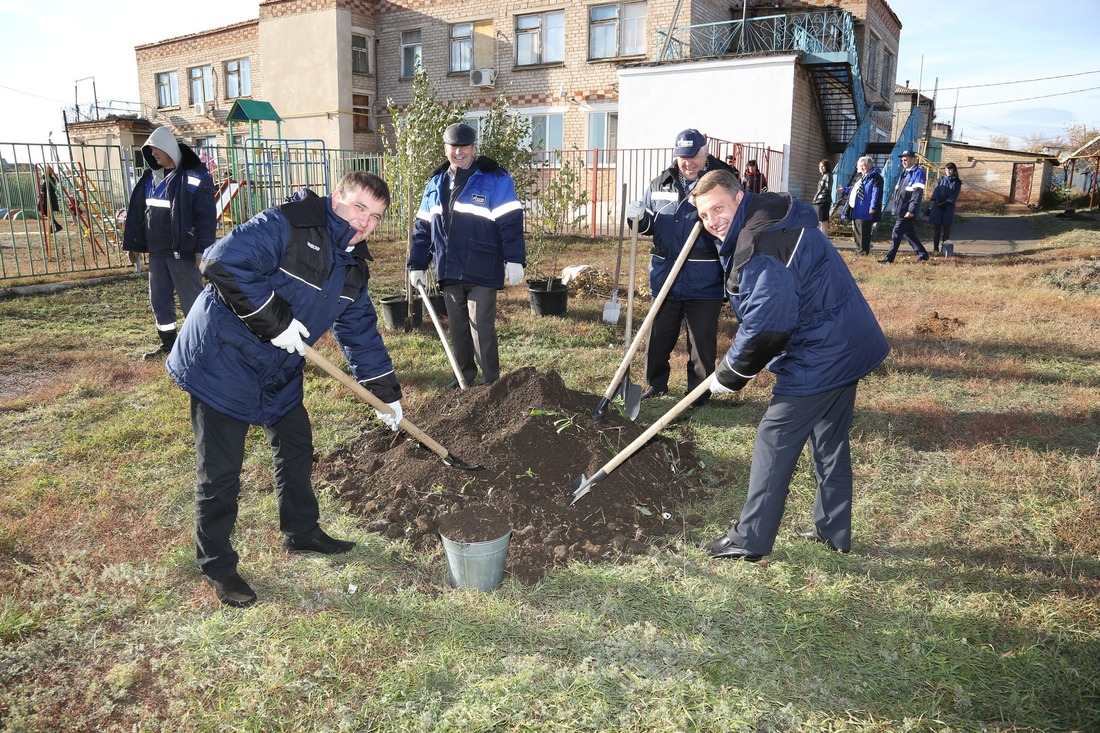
(991, 61)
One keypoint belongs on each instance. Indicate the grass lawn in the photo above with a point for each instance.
(970, 602)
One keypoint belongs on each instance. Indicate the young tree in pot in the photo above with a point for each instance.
(554, 215)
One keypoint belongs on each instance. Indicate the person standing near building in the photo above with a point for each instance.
(695, 297)
(754, 181)
(470, 228)
(823, 199)
(864, 204)
(907, 197)
(171, 217)
(944, 195)
(277, 282)
(803, 317)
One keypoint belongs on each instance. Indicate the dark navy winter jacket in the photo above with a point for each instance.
(289, 262)
(801, 313)
(909, 191)
(872, 198)
(485, 228)
(669, 217)
(194, 216)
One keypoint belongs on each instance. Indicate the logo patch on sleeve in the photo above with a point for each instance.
(478, 199)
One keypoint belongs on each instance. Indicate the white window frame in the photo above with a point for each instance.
(412, 52)
(624, 24)
(168, 89)
(547, 123)
(873, 51)
(361, 112)
(540, 38)
(241, 77)
(603, 124)
(200, 82)
(361, 61)
(461, 55)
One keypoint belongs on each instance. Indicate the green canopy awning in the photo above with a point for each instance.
(252, 110)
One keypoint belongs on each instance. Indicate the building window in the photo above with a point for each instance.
(202, 83)
(540, 38)
(462, 46)
(360, 54)
(360, 113)
(168, 90)
(871, 73)
(888, 72)
(546, 138)
(410, 53)
(238, 79)
(603, 133)
(616, 30)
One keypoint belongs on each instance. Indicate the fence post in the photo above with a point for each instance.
(592, 197)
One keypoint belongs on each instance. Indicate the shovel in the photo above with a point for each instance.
(611, 308)
(583, 484)
(365, 395)
(632, 405)
(409, 320)
(439, 329)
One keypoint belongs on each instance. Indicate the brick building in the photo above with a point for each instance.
(328, 68)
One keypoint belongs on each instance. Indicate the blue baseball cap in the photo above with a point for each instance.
(689, 143)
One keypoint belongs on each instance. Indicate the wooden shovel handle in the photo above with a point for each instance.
(439, 329)
(652, 314)
(366, 396)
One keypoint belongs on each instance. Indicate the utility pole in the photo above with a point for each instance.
(95, 99)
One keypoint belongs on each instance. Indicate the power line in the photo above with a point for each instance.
(29, 94)
(1026, 99)
(1020, 81)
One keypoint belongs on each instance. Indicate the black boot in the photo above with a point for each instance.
(167, 338)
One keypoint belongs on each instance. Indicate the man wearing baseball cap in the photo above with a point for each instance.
(470, 228)
(668, 214)
(907, 197)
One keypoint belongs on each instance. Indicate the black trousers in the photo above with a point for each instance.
(701, 317)
(861, 232)
(219, 457)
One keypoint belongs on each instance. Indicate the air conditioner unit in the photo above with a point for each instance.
(200, 108)
(482, 77)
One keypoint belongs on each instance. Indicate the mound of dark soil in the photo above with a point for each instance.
(534, 437)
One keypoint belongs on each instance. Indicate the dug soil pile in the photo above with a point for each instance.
(534, 437)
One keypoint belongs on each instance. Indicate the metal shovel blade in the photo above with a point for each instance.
(632, 400)
(611, 311)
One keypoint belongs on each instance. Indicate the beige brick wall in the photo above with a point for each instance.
(214, 47)
(989, 173)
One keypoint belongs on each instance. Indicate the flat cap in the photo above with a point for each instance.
(459, 134)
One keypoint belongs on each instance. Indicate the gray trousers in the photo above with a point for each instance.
(167, 278)
(788, 423)
(219, 456)
(472, 321)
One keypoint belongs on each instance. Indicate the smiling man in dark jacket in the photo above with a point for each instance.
(171, 217)
(803, 317)
(277, 282)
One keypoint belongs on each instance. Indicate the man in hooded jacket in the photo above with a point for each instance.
(277, 282)
(803, 317)
(171, 217)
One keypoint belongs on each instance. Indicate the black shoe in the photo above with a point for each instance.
(157, 353)
(922, 259)
(653, 392)
(453, 384)
(321, 543)
(723, 547)
(232, 590)
(886, 261)
(815, 536)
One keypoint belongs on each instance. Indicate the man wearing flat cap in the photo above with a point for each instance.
(470, 229)
(907, 197)
(696, 296)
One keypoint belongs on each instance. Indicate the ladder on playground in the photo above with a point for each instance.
(86, 203)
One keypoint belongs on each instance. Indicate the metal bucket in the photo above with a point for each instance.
(476, 565)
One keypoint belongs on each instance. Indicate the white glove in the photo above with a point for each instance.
(391, 420)
(717, 387)
(635, 210)
(513, 273)
(418, 277)
(291, 338)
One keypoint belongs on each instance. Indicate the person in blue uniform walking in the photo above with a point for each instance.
(277, 282)
(907, 197)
